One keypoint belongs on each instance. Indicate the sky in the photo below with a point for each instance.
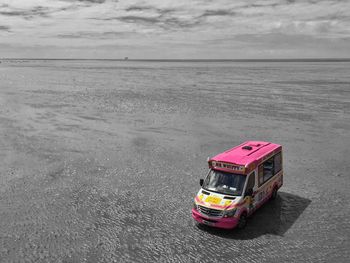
(175, 29)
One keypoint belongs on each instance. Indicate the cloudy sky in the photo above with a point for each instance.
(174, 28)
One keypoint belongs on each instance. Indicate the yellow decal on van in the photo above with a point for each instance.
(213, 200)
(228, 202)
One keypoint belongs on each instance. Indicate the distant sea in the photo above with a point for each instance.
(188, 60)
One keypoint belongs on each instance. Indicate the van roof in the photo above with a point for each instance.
(250, 152)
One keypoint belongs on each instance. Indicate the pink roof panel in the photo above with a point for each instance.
(246, 153)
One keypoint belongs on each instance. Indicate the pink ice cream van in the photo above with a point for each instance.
(239, 181)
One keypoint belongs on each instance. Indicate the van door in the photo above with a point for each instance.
(250, 187)
(267, 177)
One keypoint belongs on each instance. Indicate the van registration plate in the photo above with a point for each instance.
(207, 222)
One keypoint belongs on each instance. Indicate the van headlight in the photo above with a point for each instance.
(230, 213)
(195, 206)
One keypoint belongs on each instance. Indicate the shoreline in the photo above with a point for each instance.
(183, 60)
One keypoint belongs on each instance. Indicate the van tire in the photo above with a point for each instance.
(274, 193)
(242, 222)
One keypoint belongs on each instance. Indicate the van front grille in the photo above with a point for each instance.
(210, 212)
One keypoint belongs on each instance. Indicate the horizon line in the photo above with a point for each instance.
(193, 60)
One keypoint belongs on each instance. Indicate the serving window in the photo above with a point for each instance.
(269, 168)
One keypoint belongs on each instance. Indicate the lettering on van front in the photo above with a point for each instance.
(227, 166)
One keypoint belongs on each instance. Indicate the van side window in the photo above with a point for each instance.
(251, 181)
(268, 169)
(278, 162)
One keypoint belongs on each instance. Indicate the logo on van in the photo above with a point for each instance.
(227, 166)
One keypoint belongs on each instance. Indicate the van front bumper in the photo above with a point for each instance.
(222, 222)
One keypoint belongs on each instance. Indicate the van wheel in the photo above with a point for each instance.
(274, 194)
(242, 222)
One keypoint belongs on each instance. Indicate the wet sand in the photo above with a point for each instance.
(100, 161)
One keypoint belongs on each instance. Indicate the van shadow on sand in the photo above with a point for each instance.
(274, 218)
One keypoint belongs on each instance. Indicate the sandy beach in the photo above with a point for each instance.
(100, 160)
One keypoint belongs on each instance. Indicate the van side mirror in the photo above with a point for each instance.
(201, 181)
(249, 192)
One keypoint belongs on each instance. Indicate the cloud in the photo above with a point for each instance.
(85, 1)
(136, 19)
(139, 8)
(94, 35)
(160, 21)
(220, 12)
(168, 18)
(37, 11)
(93, 1)
(149, 8)
(32, 12)
(192, 28)
(278, 39)
(4, 28)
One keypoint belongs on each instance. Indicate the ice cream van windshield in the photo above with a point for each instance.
(224, 183)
